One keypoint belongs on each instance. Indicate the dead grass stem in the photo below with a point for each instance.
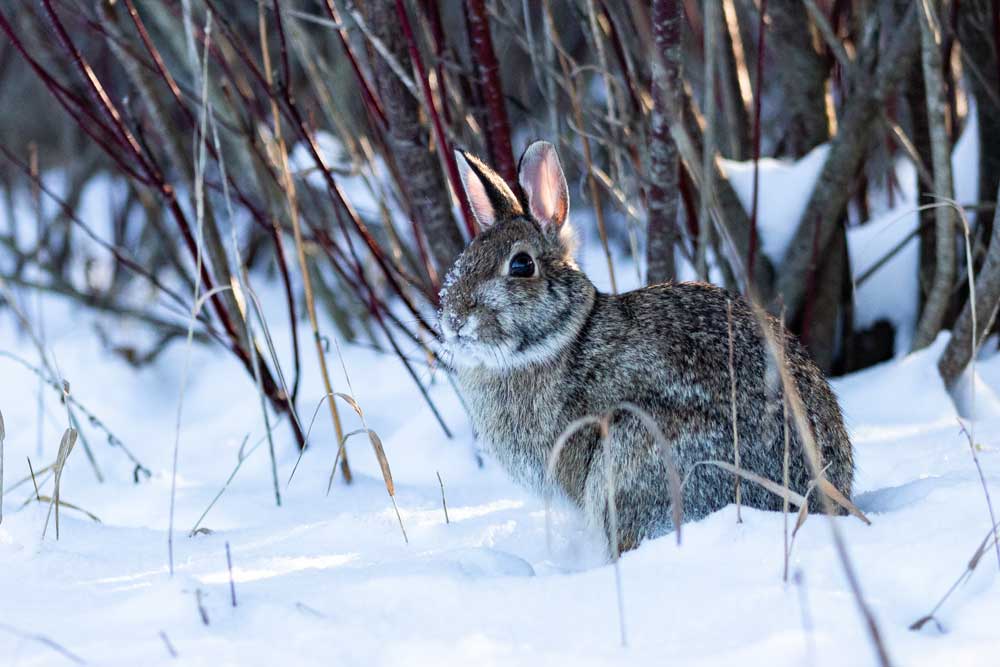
(65, 447)
(732, 403)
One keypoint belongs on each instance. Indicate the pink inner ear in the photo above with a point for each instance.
(479, 201)
(544, 184)
(545, 205)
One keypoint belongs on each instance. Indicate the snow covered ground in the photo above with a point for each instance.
(329, 580)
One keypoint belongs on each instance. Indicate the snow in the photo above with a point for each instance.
(891, 292)
(783, 190)
(329, 579)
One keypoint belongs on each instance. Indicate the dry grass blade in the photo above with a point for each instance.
(951, 369)
(982, 480)
(44, 640)
(834, 494)
(52, 370)
(803, 427)
(377, 447)
(571, 429)
(202, 612)
(444, 503)
(732, 403)
(193, 316)
(241, 285)
(291, 200)
(351, 402)
(312, 422)
(383, 463)
(241, 457)
(614, 537)
(232, 583)
(92, 419)
(342, 437)
(170, 647)
(63, 503)
(336, 459)
(303, 607)
(28, 478)
(775, 488)
(977, 556)
(673, 474)
(785, 468)
(65, 447)
(550, 468)
(34, 481)
(803, 514)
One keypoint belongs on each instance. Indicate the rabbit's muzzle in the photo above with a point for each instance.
(458, 329)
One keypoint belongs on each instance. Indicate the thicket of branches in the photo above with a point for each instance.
(193, 108)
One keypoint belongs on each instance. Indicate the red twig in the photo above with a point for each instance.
(367, 94)
(442, 139)
(338, 200)
(95, 87)
(74, 106)
(158, 60)
(433, 13)
(155, 177)
(498, 130)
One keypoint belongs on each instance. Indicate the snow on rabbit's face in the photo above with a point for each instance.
(511, 298)
(497, 299)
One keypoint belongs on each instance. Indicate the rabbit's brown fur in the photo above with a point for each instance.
(534, 354)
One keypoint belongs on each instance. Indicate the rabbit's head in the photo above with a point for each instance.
(515, 296)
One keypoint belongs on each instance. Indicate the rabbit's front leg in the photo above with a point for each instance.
(627, 493)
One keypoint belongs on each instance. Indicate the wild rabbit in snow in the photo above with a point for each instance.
(535, 347)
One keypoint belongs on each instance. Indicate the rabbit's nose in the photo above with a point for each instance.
(469, 327)
(452, 324)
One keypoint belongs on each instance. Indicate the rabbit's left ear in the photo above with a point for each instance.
(489, 197)
(544, 184)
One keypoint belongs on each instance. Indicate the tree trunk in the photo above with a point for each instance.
(962, 347)
(821, 318)
(872, 84)
(409, 140)
(664, 164)
(936, 305)
(801, 78)
(976, 23)
(916, 99)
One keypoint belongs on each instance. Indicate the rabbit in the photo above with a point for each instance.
(535, 347)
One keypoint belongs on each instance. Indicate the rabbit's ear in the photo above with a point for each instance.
(544, 184)
(490, 198)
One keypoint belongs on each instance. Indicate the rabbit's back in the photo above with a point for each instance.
(666, 349)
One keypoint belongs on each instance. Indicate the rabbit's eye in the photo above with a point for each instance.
(521, 266)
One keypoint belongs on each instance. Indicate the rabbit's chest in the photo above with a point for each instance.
(517, 422)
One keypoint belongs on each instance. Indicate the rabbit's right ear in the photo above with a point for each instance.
(489, 196)
(544, 184)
